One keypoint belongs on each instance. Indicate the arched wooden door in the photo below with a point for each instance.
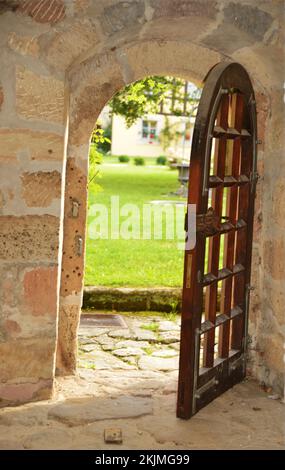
(216, 283)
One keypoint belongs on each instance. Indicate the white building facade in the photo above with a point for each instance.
(143, 137)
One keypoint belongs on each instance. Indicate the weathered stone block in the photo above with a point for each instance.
(12, 327)
(242, 26)
(235, 39)
(278, 206)
(36, 145)
(175, 8)
(39, 189)
(248, 18)
(1, 97)
(122, 15)
(28, 301)
(158, 363)
(25, 45)
(87, 410)
(81, 5)
(29, 359)
(2, 201)
(158, 59)
(9, 287)
(15, 393)
(8, 5)
(276, 301)
(69, 316)
(49, 439)
(262, 107)
(66, 46)
(274, 255)
(43, 11)
(88, 105)
(8, 444)
(275, 132)
(39, 97)
(29, 238)
(40, 291)
(273, 351)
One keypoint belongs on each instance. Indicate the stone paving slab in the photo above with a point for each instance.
(165, 325)
(165, 353)
(49, 439)
(93, 331)
(168, 337)
(87, 410)
(102, 360)
(126, 352)
(10, 444)
(158, 363)
(132, 344)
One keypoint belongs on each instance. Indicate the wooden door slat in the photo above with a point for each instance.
(237, 114)
(214, 243)
(231, 132)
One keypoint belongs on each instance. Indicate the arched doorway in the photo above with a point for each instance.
(226, 113)
(186, 41)
(92, 84)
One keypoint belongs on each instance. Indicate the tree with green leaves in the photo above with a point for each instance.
(95, 157)
(150, 94)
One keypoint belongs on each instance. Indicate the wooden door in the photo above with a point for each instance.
(216, 282)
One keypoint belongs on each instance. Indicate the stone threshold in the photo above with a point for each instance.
(133, 299)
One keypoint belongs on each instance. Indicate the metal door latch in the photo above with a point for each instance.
(237, 363)
(249, 287)
(213, 382)
(254, 176)
(75, 208)
(79, 245)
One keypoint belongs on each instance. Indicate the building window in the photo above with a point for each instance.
(149, 131)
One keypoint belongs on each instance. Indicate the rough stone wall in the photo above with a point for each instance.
(61, 61)
(32, 129)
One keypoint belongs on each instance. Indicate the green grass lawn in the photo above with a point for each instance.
(137, 263)
(115, 159)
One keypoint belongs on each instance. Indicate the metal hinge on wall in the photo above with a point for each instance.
(240, 361)
(254, 176)
(212, 383)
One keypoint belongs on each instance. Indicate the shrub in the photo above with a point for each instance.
(95, 159)
(139, 161)
(161, 160)
(123, 159)
(105, 145)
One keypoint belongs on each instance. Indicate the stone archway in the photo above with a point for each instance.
(91, 86)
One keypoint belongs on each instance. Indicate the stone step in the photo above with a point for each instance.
(128, 299)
